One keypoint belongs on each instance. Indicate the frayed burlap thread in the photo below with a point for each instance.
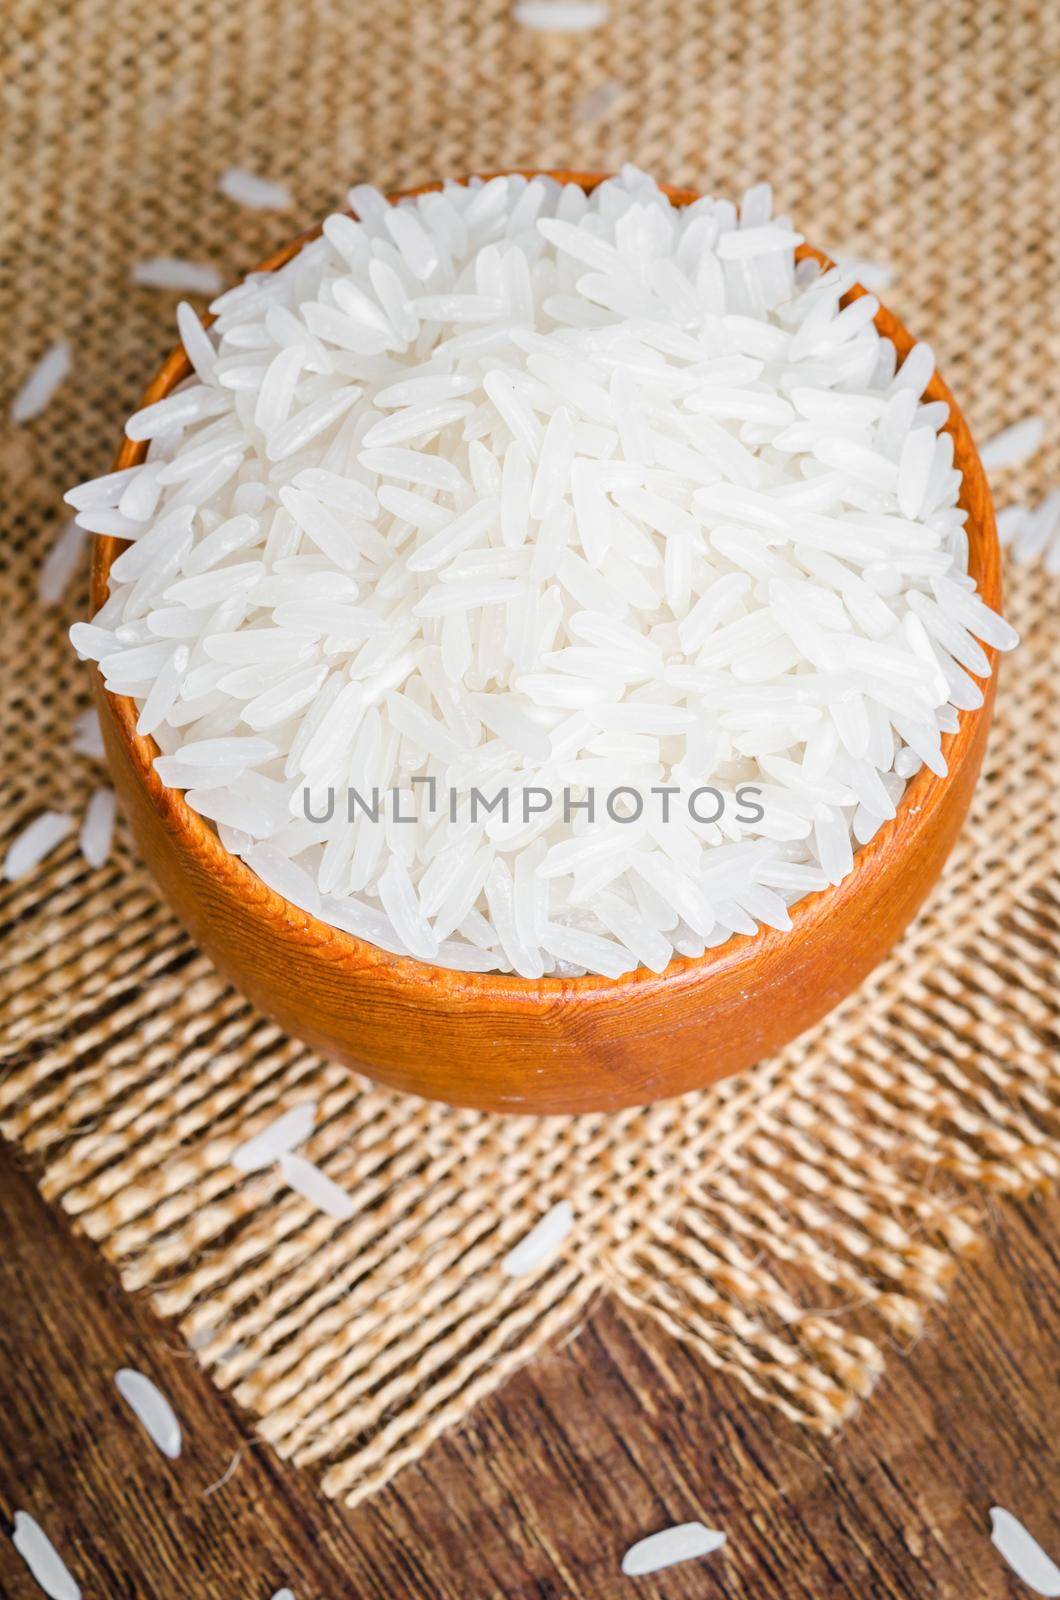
(793, 1225)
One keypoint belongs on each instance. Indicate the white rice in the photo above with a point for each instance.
(1013, 444)
(43, 1560)
(173, 272)
(88, 735)
(97, 829)
(596, 104)
(510, 487)
(283, 1594)
(1023, 1553)
(316, 1187)
(60, 564)
(280, 1137)
(541, 1243)
(196, 342)
(685, 1542)
(152, 1408)
(37, 840)
(1010, 519)
(247, 189)
(560, 16)
(40, 387)
(1033, 535)
(872, 275)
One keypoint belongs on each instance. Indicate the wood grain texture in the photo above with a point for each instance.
(551, 1045)
(617, 1434)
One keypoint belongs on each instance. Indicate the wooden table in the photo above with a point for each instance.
(617, 1434)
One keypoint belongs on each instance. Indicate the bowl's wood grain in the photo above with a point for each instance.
(555, 1044)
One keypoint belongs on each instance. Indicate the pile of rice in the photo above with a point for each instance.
(515, 489)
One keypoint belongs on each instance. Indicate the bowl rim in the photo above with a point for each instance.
(924, 794)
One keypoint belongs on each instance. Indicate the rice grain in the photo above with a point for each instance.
(174, 272)
(1023, 1553)
(1013, 444)
(278, 1138)
(97, 829)
(247, 189)
(541, 1243)
(39, 388)
(60, 564)
(152, 1409)
(316, 1187)
(688, 1541)
(560, 16)
(88, 735)
(43, 1560)
(36, 841)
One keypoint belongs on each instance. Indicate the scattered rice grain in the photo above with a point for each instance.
(686, 1542)
(97, 830)
(560, 16)
(60, 564)
(174, 272)
(88, 735)
(596, 104)
(542, 1242)
(316, 1187)
(152, 1409)
(1013, 444)
(29, 848)
(247, 189)
(1024, 1554)
(872, 275)
(40, 387)
(277, 1139)
(43, 1560)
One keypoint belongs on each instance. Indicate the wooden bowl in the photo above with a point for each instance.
(553, 1044)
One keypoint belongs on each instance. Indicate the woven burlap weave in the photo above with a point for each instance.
(793, 1224)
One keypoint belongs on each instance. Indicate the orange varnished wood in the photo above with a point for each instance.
(554, 1044)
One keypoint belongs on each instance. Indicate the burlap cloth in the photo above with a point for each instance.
(793, 1224)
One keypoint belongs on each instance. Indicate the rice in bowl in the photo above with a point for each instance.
(508, 492)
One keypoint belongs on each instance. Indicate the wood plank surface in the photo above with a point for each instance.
(617, 1434)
